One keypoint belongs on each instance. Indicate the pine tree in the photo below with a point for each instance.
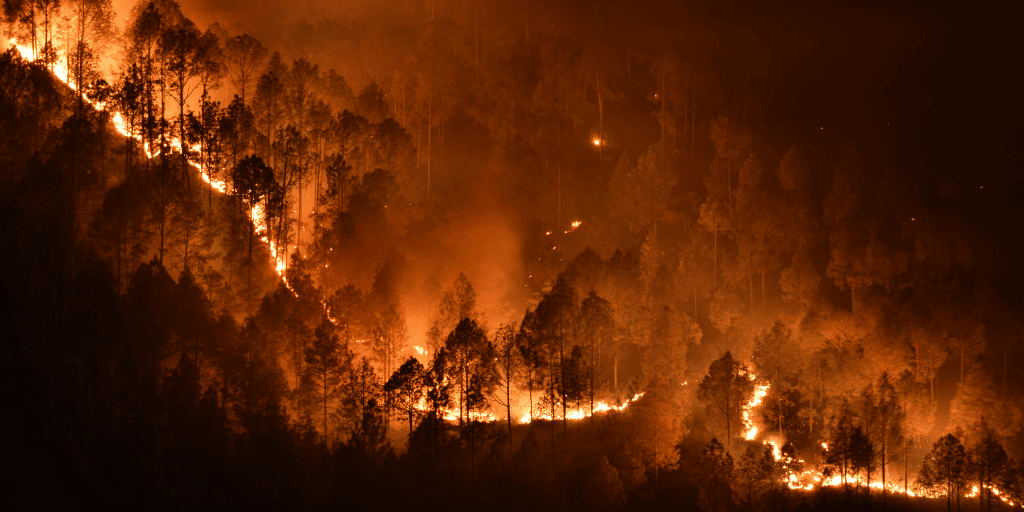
(945, 469)
(724, 390)
(714, 470)
(326, 362)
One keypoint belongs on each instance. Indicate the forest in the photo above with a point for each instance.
(488, 255)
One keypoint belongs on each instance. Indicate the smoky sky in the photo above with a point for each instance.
(931, 89)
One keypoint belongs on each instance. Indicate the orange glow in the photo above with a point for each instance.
(750, 429)
(580, 414)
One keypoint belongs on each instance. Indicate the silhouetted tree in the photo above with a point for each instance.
(989, 463)
(714, 470)
(508, 369)
(945, 469)
(405, 386)
(327, 361)
(725, 389)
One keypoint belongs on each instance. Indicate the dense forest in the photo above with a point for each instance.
(479, 255)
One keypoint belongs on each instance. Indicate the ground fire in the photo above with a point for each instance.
(500, 255)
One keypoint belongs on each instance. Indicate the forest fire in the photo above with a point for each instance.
(749, 409)
(345, 265)
(578, 413)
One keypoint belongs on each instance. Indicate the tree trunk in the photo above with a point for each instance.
(714, 272)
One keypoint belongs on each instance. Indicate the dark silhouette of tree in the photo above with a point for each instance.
(194, 324)
(91, 24)
(861, 457)
(755, 470)
(508, 369)
(945, 469)
(256, 382)
(290, 313)
(530, 350)
(597, 333)
(714, 470)
(405, 386)
(236, 130)
(244, 56)
(574, 380)
(773, 354)
(269, 108)
(254, 186)
(989, 463)
(847, 450)
(120, 229)
(133, 104)
(555, 317)
(360, 399)
(182, 48)
(438, 391)
(29, 102)
(883, 419)
(389, 335)
(348, 308)
(671, 336)
(470, 356)
(370, 439)
(458, 302)
(327, 361)
(724, 390)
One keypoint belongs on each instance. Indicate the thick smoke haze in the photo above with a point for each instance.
(524, 254)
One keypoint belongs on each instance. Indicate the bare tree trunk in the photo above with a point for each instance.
(714, 272)
(430, 130)
(615, 366)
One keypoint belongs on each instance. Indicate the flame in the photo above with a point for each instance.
(811, 478)
(580, 414)
(61, 72)
(750, 431)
